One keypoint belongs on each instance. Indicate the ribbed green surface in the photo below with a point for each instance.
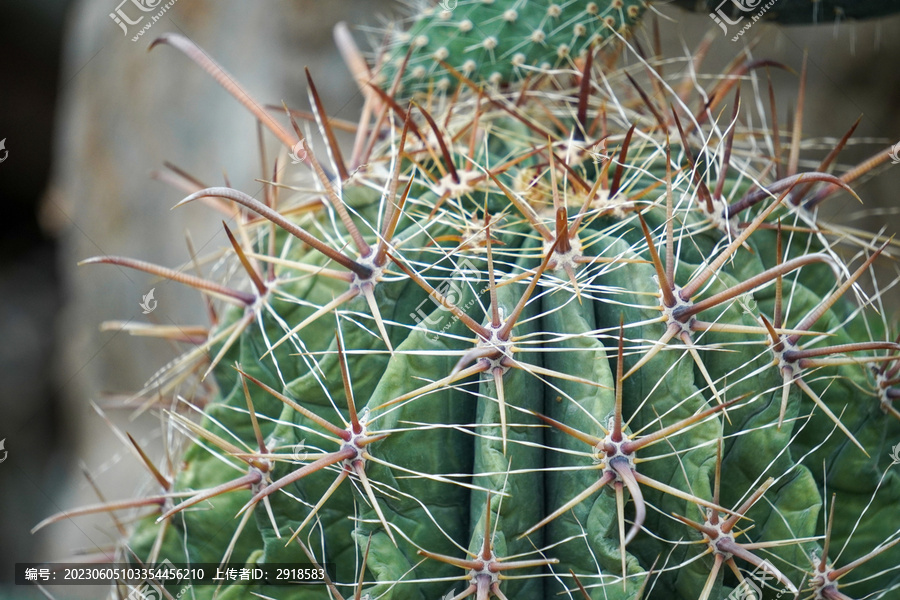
(500, 42)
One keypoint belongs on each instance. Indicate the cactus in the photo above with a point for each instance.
(499, 42)
(534, 336)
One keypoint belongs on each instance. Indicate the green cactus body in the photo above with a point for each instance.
(482, 284)
(500, 42)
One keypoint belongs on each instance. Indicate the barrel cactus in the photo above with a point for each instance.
(554, 327)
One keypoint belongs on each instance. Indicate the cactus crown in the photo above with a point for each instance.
(499, 42)
(554, 331)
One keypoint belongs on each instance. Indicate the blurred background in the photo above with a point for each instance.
(87, 115)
